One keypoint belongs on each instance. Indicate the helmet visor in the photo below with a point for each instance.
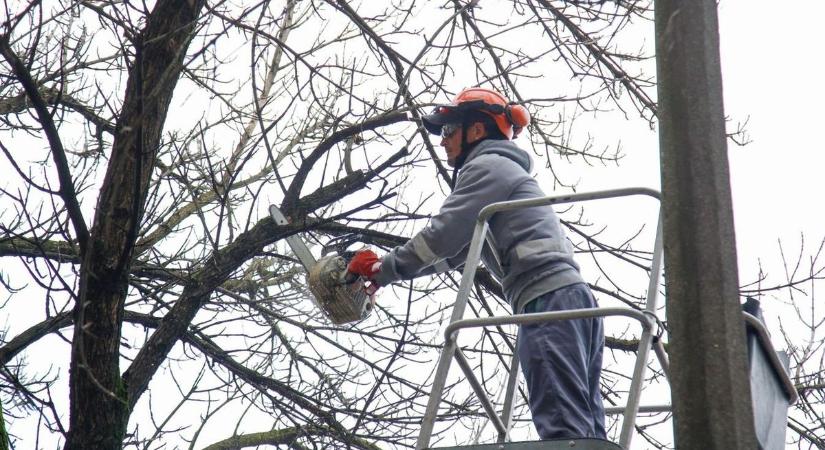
(440, 116)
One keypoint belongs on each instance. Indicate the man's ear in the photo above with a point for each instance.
(475, 132)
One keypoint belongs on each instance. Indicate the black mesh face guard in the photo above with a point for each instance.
(440, 116)
(480, 105)
(445, 114)
(464, 108)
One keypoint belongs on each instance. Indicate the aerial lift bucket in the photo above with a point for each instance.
(772, 390)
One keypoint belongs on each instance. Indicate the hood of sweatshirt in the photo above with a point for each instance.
(508, 149)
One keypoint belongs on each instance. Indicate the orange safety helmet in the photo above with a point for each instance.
(510, 119)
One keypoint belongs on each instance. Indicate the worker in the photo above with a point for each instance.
(561, 360)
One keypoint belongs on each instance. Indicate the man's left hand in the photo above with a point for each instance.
(366, 264)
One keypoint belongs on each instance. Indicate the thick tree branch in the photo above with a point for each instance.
(51, 96)
(291, 197)
(64, 174)
(58, 251)
(33, 334)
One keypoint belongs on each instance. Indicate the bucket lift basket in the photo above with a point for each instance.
(782, 394)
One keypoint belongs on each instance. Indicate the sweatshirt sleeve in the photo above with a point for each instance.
(442, 245)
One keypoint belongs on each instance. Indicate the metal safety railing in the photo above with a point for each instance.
(646, 318)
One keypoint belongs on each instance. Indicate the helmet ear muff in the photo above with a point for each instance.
(519, 117)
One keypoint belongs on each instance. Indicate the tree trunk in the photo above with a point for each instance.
(4, 436)
(99, 409)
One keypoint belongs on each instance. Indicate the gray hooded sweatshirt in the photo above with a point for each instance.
(536, 257)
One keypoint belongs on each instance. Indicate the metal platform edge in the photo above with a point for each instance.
(554, 444)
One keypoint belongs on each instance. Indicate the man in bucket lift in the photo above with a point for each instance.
(561, 360)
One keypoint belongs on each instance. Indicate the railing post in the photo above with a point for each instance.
(446, 357)
(645, 341)
(470, 265)
(509, 397)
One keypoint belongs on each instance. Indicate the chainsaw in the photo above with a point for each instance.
(341, 296)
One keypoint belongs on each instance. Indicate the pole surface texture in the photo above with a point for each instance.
(710, 387)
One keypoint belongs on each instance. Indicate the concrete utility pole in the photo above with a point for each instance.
(710, 387)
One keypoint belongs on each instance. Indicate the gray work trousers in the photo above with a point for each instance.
(561, 362)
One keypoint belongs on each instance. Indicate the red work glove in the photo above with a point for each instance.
(366, 264)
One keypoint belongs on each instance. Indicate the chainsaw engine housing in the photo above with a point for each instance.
(342, 301)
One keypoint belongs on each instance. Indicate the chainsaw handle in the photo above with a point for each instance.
(348, 255)
(348, 277)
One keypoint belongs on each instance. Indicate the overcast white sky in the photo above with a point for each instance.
(772, 73)
(772, 76)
